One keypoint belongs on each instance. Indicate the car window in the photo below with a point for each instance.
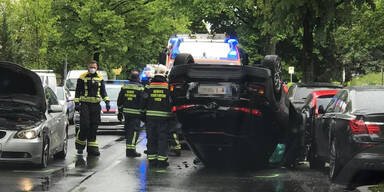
(113, 92)
(324, 101)
(332, 104)
(60, 93)
(341, 102)
(50, 97)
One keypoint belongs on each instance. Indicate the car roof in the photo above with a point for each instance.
(363, 88)
(324, 92)
(318, 84)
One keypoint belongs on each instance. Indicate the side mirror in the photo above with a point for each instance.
(55, 109)
(321, 109)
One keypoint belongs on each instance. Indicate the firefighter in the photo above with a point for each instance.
(90, 89)
(129, 103)
(158, 112)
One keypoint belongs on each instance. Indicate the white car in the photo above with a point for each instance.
(33, 125)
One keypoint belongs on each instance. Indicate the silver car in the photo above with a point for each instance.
(64, 97)
(33, 125)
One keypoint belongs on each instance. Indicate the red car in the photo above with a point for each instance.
(310, 111)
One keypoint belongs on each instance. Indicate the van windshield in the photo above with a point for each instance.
(71, 84)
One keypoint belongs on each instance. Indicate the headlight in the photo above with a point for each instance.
(27, 134)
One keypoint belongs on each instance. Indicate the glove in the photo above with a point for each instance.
(107, 106)
(120, 116)
(77, 106)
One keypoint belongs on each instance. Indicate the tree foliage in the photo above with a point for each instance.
(319, 37)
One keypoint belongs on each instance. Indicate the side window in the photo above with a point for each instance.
(342, 102)
(50, 97)
(332, 104)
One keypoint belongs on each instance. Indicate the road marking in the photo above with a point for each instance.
(267, 176)
(161, 171)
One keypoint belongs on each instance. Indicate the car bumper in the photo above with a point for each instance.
(371, 158)
(20, 150)
(110, 122)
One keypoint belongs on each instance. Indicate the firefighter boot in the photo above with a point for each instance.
(162, 164)
(152, 163)
(93, 151)
(132, 153)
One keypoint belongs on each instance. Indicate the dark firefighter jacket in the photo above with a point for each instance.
(90, 88)
(130, 98)
(156, 99)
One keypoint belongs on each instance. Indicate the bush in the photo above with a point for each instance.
(368, 79)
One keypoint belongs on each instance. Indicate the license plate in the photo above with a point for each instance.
(212, 90)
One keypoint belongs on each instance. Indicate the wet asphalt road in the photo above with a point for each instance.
(112, 171)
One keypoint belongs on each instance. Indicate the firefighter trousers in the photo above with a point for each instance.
(157, 139)
(89, 120)
(132, 130)
(174, 134)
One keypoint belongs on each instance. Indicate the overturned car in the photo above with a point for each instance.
(231, 114)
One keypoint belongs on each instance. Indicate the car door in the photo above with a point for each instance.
(56, 120)
(323, 125)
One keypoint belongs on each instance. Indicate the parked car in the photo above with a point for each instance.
(72, 76)
(310, 111)
(298, 92)
(109, 119)
(48, 78)
(33, 125)
(64, 97)
(348, 134)
(231, 115)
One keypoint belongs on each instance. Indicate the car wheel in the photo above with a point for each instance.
(315, 162)
(183, 58)
(62, 154)
(272, 62)
(334, 162)
(45, 153)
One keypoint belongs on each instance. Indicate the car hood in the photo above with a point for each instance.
(18, 84)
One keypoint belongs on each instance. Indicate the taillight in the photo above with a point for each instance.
(174, 86)
(360, 127)
(246, 110)
(256, 88)
(181, 107)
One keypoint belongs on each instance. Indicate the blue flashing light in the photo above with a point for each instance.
(231, 41)
(143, 76)
(175, 46)
(232, 45)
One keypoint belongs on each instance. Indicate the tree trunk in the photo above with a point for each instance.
(307, 61)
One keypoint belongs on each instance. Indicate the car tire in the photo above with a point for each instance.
(272, 62)
(44, 153)
(183, 58)
(315, 162)
(334, 160)
(63, 153)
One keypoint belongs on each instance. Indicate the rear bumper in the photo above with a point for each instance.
(371, 158)
(109, 120)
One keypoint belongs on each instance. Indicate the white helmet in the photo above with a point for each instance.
(160, 70)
